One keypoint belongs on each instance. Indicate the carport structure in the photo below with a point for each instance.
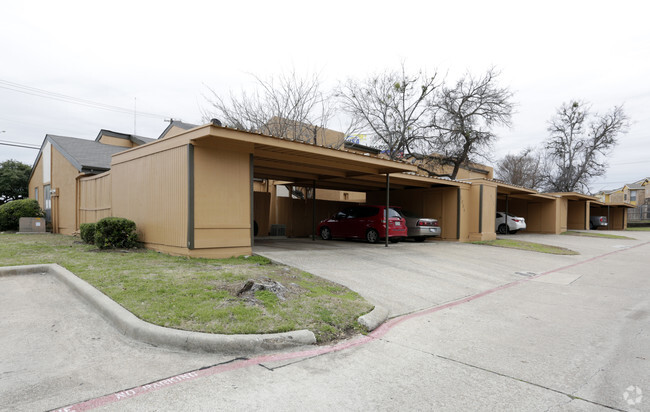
(575, 210)
(616, 213)
(192, 194)
(541, 211)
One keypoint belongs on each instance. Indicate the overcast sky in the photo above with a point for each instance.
(158, 57)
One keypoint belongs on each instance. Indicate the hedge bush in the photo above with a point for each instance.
(115, 232)
(87, 232)
(11, 212)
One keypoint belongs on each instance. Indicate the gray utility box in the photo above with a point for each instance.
(32, 225)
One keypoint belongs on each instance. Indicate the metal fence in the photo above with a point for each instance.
(638, 213)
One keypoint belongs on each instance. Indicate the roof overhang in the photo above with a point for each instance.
(625, 205)
(306, 164)
(575, 196)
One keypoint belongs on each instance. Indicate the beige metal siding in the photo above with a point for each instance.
(64, 203)
(94, 198)
(152, 191)
(222, 216)
(37, 182)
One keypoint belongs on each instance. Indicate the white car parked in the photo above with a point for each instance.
(515, 223)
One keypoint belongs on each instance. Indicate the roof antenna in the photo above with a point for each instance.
(135, 102)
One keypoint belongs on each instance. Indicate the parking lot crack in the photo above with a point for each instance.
(504, 375)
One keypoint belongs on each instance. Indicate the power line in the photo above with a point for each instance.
(17, 144)
(33, 91)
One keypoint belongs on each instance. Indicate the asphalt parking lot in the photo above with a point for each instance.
(473, 329)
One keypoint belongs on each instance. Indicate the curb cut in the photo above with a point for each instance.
(130, 325)
(374, 318)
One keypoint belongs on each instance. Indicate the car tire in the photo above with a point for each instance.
(372, 236)
(325, 233)
(419, 238)
(502, 229)
(591, 226)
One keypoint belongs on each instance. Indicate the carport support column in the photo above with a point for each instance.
(313, 211)
(506, 217)
(252, 193)
(387, 204)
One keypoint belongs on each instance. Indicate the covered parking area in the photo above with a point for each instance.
(540, 210)
(577, 209)
(273, 159)
(194, 194)
(616, 214)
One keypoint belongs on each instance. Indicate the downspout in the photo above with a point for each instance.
(190, 196)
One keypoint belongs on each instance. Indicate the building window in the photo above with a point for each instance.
(625, 197)
(36, 193)
(633, 196)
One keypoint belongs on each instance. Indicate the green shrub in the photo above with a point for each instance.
(87, 232)
(11, 212)
(115, 232)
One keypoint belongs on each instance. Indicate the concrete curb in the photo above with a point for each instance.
(130, 325)
(370, 321)
(374, 318)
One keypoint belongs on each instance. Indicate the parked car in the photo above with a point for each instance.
(420, 228)
(515, 223)
(364, 222)
(597, 221)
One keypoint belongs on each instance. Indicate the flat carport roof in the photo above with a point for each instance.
(514, 191)
(575, 196)
(306, 164)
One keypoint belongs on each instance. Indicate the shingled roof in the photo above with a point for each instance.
(140, 140)
(177, 123)
(86, 155)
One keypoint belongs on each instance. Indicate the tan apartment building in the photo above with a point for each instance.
(201, 191)
(61, 161)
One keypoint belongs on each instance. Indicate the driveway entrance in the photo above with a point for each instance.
(409, 276)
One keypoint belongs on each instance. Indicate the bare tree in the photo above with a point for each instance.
(286, 105)
(393, 106)
(523, 169)
(579, 143)
(464, 116)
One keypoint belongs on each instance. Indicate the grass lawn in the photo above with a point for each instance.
(594, 234)
(639, 229)
(531, 246)
(199, 294)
